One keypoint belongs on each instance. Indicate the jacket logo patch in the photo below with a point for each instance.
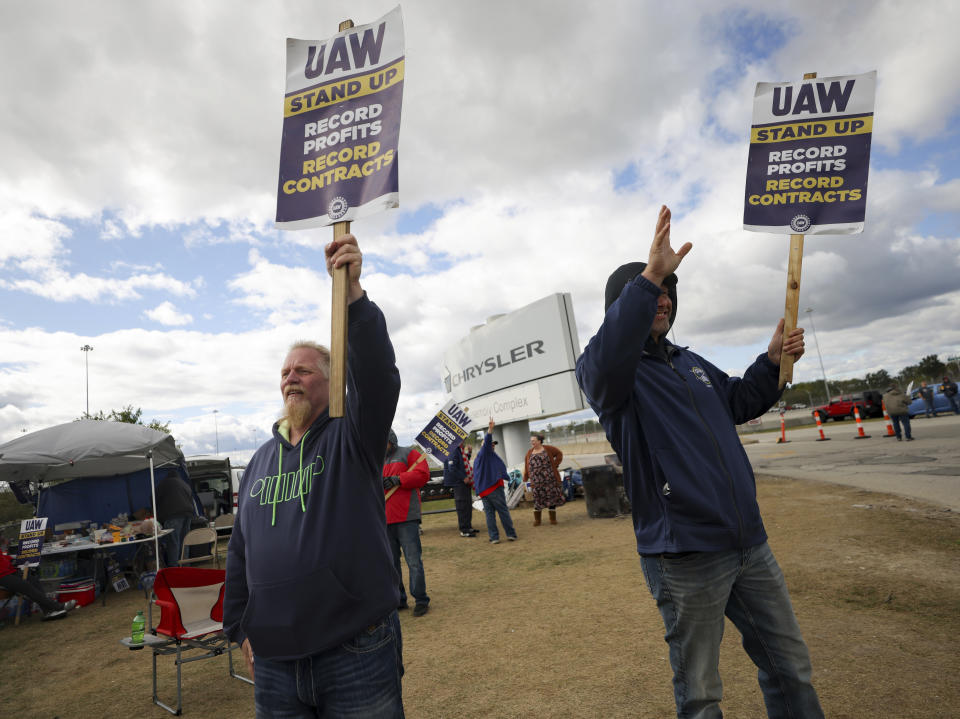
(701, 375)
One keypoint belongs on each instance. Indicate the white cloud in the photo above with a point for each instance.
(515, 130)
(167, 314)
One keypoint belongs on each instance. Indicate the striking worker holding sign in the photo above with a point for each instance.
(405, 471)
(671, 418)
(311, 592)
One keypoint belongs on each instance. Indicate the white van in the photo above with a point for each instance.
(215, 482)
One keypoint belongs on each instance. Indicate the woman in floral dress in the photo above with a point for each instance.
(540, 469)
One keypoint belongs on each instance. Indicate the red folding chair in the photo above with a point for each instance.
(190, 600)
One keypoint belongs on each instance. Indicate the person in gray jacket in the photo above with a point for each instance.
(897, 404)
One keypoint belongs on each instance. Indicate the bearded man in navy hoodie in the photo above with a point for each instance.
(671, 417)
(311, 591)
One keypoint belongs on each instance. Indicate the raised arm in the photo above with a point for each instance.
(373, 379)
(607, 367)
(663, 260)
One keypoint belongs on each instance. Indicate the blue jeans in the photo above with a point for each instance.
(929, 410)
(897, 419)
(493, 504)
(406, 536)
(360, 678)
(954, 401)
(180, 527)
(694, 592)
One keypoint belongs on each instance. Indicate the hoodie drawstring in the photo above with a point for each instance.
(276, 491)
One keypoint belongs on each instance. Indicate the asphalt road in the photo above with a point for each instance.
(927, 468)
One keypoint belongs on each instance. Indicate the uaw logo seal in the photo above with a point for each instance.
(800, 223)
(337, 208)
(701, 375)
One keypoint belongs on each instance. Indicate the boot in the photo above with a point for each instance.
(553, 516)
(536, 517)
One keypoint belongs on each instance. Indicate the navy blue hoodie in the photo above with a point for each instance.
(309, 564)
(672, 421)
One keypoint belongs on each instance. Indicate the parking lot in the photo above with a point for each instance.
(927, 468)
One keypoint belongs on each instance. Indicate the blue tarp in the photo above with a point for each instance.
(99, 499)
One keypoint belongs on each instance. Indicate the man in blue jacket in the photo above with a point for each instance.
(311, 591)
(489, 474)
(671, 417)
(455, 477)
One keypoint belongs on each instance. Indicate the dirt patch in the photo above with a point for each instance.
(560, 623)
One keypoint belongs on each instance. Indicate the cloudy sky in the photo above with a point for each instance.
(140, 146)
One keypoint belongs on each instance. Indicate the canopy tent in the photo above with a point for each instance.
(113, 459)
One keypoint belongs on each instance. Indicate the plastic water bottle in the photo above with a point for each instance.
(136, 630)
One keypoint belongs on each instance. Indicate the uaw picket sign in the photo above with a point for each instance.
(810, 156)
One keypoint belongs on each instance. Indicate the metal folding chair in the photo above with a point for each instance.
(190, 600)
(223, 526)
(195, 538)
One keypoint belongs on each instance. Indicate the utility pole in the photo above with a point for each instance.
(87, 349)
(826, 387)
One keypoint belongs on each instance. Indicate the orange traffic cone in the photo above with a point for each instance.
(823, 438)
(783, 431)
(860, 433)
(890, 432)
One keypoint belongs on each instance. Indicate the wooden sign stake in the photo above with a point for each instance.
(792, 305)
(338, 318)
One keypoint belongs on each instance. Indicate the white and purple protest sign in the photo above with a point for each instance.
(810, 156)
(341, 125)
(445, 432)
(32, 533)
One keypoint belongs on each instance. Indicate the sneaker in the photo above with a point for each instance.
(55, 614)
(511, 539)
(420, 610)
(494, 541)
(909, 439)
(70, 606)
(470, 535)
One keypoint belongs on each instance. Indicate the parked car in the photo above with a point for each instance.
(918, 408)
(869, 402)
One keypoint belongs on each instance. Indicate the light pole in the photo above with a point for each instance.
(826, 387)
(216, 430)
(87, 349)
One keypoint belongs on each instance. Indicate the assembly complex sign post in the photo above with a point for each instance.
(807, 167)
(341, 125)
(810, 156)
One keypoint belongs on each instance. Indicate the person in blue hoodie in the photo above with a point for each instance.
(489, 474)
(311, 591)
(671, 417)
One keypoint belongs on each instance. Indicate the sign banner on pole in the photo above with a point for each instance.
(341, 125)
(445, 432)
(32, 533)
(810, 156)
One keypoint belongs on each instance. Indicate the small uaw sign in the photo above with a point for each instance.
(445, 432)
(810, 155)
(32, 533)
(341, 125)
(807, 168)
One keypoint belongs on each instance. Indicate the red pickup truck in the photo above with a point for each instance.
(869, 402)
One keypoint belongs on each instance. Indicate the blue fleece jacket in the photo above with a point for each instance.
(453, 470)
(489, 471)
(309, 564)
(673, 424)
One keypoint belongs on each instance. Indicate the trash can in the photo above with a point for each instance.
(602, 487)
